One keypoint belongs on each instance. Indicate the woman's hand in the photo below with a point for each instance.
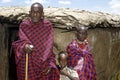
(46, 71)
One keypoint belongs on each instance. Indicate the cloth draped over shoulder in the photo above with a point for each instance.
(40, 35)
(80, 59)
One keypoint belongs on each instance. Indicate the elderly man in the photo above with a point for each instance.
(36, 40)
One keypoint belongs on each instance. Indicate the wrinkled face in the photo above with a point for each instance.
(63, 61)
(81, 35)
(36, 13)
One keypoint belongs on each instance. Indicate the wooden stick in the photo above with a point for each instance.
(26, 67)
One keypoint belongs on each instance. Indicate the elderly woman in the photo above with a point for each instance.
(80, 57)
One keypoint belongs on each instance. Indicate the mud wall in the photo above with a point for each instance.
(105, 46)
(4, 65)
(104, 42)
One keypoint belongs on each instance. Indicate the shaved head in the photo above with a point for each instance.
(62, 59)
(82, 28)
(38, 5)
(81, 32)
(63, 55)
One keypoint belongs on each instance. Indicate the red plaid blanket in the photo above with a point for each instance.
(76, 51)
(40, 35)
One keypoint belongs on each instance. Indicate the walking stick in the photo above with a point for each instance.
(26, 67)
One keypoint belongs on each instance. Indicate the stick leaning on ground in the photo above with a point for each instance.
(26, 67)
(26, 64)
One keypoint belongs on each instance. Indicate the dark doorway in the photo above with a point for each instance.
(12, 36)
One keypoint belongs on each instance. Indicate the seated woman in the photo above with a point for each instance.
(80, 57)
(66, 73)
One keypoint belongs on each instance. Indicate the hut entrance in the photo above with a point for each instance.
(12, 36)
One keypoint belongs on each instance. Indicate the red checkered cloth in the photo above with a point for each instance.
(76, 51)
(40, 35)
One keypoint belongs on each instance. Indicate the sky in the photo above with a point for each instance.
(108, 6)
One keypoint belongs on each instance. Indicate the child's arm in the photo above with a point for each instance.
(68, 75)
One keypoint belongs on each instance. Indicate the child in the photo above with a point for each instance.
(79, 56)
(66, 73)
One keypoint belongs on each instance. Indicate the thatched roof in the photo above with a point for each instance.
(62, 17)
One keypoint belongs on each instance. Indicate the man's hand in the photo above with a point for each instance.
(28, 48)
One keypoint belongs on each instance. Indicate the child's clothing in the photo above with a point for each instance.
(69, 71)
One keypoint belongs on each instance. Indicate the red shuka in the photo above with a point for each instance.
(77, 51)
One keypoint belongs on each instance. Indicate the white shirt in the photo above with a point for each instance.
(69, 71)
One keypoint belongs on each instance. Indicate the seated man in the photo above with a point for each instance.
(66, 73)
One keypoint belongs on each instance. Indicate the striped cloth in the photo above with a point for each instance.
(79, 53)
(40, 35)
